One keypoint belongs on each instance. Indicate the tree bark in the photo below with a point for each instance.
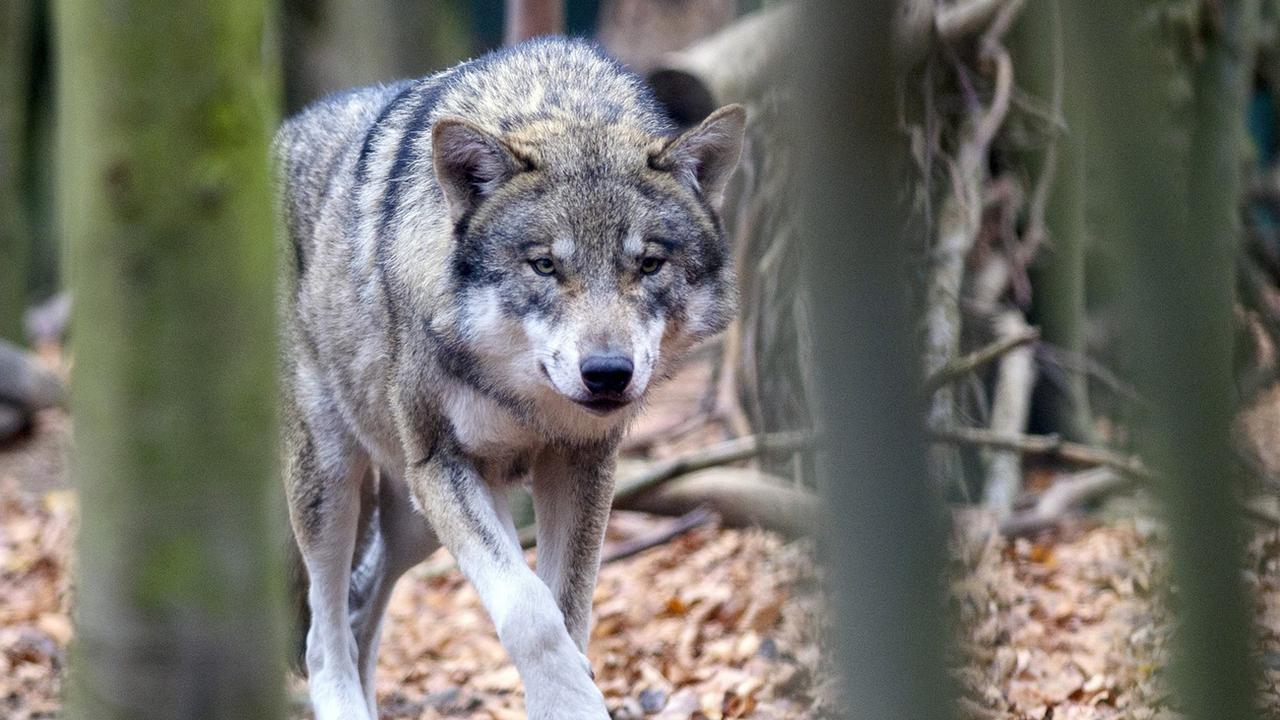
(881, 532)
(15, 232)
(1056, 171)
(1170, 184)
(167, 110)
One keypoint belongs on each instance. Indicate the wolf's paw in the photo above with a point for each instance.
(568, 695)
(568, 708)
(338, 699)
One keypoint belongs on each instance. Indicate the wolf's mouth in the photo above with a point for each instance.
(603, 406)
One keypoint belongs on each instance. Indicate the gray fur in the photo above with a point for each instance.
(460, 245)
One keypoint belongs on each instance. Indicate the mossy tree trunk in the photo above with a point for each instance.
(1168, 195)
(15, 238)
(882, 535)
(167, 110)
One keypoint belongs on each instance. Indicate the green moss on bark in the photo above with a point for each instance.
(167, 110)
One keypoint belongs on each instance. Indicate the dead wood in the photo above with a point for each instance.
(1064, 496)
(1052, 445)
(691, 520)
(975, 360)
(742, 497)
(631, 485)
(958, 225)
(1010, 409)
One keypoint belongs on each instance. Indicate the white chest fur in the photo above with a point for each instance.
(483, 426)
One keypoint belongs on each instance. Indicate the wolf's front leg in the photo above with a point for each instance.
(572, 494)
(529, 622)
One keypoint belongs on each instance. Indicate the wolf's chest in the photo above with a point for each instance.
(483, 427)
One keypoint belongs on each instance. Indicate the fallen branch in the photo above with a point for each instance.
(1044, 445)
(691, 520)
(655, 474)
(1129, 466)
(1064, 496)
(742, 497)
(966, 364)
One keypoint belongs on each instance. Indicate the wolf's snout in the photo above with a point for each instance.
(606, 374)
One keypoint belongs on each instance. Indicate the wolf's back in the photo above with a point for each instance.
(309, 150)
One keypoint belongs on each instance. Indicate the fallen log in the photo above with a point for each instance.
(742, 497)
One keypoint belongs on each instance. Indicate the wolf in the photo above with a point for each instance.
(490, 269)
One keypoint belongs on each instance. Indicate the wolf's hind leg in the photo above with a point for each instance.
(396, 539)
(323, 471)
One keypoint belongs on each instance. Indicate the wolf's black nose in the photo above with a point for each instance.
(606, 374)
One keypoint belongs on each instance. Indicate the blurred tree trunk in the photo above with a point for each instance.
(533, 18)
(167, 110)
(1045, 72)
(882, 536)
(640, 32)
(16, 34)
(332, 45)
(1169, 186)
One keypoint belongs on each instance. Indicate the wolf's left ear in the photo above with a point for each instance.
(705, 156)
(469, 162)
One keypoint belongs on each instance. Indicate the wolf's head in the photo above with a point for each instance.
(588, 257)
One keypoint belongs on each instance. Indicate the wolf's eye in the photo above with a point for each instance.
(543, 266)
(651, 265)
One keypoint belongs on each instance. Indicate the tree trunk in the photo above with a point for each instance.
(532, 18)
(15, 235)
(167, 110)
(1171, 199)
(1045, 70)
(882, 536)
(332, 45)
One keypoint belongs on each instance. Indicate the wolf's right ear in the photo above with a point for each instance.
(469, 162)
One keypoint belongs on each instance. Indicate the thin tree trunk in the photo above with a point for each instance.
(15, 232)
(531, 18)
(882, 534)
(1171, 199)
(166, 111)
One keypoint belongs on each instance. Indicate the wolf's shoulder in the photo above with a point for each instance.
(334, 120)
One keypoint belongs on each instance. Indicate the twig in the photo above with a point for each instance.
(966, 364)
(681, 525)
(1044, 445)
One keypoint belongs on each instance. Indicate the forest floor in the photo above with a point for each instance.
(718, 623)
